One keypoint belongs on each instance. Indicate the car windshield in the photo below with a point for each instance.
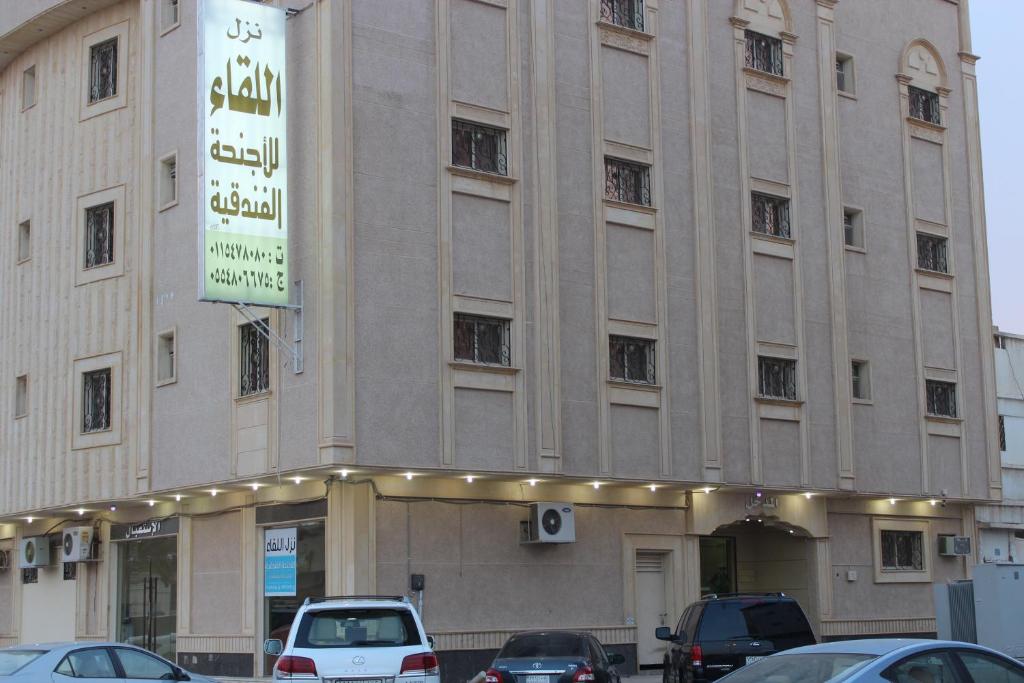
(538, 645)
(357, 628)
(13, 660)
(818, 667)
(779, 621)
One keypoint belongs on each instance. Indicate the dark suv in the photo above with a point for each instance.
(721, 633)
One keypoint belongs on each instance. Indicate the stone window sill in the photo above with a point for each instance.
(466, 172)
(483, 367)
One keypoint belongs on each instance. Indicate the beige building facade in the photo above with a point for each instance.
(712, 274)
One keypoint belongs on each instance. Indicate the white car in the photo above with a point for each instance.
(357, 639)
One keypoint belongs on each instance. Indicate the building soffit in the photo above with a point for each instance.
(50, 21)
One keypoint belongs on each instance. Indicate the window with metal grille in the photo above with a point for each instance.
(1002, 433)
(861, 383)
(853, 228)
(96, 401)
(168, 14)
(253, 359)
(103, 70)
(844, 73)
(479, 339)
(99, 235)
(770, 215)
(632, 359)
(628, 13)
(776, 378)
(924, 105)
(625, 181)
(931, 253)
(30, 575)
(941, 398)
(479, 147)
(763, 53)
(902, 550)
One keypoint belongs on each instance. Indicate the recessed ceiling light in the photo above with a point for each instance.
(177, 497)
(531, 482)
(469, 479)
(596, 484)
(408, 476)
(653, 488)
(152, 503)
(343, 473)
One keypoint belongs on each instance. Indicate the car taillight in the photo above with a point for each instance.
(584, 674)
(289, 667)
(493, 676)
(424, 664)
(696, 656)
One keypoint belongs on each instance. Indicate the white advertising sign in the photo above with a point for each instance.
(243, 174)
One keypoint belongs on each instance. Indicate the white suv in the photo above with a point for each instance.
(356, 639)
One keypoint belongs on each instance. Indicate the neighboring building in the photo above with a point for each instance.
(714, 272)
(1001, 527)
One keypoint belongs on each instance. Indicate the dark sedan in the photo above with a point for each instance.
(554, 657)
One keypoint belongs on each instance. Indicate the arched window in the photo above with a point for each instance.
(926, 81)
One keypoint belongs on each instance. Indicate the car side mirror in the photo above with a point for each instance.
(664, 633)
(430, 642)
(180, 675)
(615, 658)
(273, 647)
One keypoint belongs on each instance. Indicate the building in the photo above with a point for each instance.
(714, 273)
(1001, 527)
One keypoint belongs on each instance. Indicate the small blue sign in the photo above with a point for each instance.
(279, 562)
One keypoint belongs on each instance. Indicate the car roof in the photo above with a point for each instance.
(356, 602)
(725, 597)
(64, 645)
(879, 646)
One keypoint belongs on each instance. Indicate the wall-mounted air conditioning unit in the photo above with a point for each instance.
(5, 560)
(76, 545)
(35, 552)
(551, 523)
(954, 546)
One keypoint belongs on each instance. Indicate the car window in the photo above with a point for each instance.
(599, 657)
(826, 667)
(535, 645)
(370, 627)
(93, 662)
(692, 619)
(780, 622)
(141, 665)
(680, 627)
(935, 666)
(14, 660)
(988, 669)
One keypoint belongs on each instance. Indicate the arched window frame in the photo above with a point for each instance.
(771, 18)
(922, 71)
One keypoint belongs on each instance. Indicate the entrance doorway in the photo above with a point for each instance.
(717, 564)
(652, 604)
(148, 605)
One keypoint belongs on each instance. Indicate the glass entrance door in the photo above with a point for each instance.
(148, 587)
(310, 582)
(717, 564)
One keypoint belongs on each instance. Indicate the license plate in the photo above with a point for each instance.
(536, 679)
(754, 658)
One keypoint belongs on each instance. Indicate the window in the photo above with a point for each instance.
(168, 184)
(24, 241)
(844, 74)
(934, 667)
(99, 235)
(628, 13)
(140, 665)
(168, 14)
(21, 396)
(861, 382)
(166, 356)
(924, 105)
(931, 253)
(776, 378)
(902, 550)
(357, 628)
(941, 398)
(1000, 341)
(103, 70)
(96, 401)
(254, 358)
(30, 575)
(93, 662)
(770, 215)
(1002, 433)
(479, 147)
(28, 87)
(631, 359)
(989, 668)
(853, 228)
(70, 571)
(763, 53)
(482, 340)
(628, 182)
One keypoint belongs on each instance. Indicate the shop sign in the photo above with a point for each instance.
(279, 562)
(151, 528)
(243, 175)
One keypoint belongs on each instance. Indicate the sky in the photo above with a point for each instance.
(995, 29)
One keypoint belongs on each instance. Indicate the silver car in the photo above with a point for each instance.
(87, 661)
(883, 660)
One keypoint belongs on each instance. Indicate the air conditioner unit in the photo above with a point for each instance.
(954, 546)
(76, 545)
(35, 552)
(5, 560)
(551, 523)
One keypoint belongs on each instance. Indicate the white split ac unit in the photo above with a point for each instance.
(35, 552)
(5, 560)
(76, 545)
(552, 523)
(954, 546)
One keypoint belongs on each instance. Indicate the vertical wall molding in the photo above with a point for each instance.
(833, 199)
(704, 239)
